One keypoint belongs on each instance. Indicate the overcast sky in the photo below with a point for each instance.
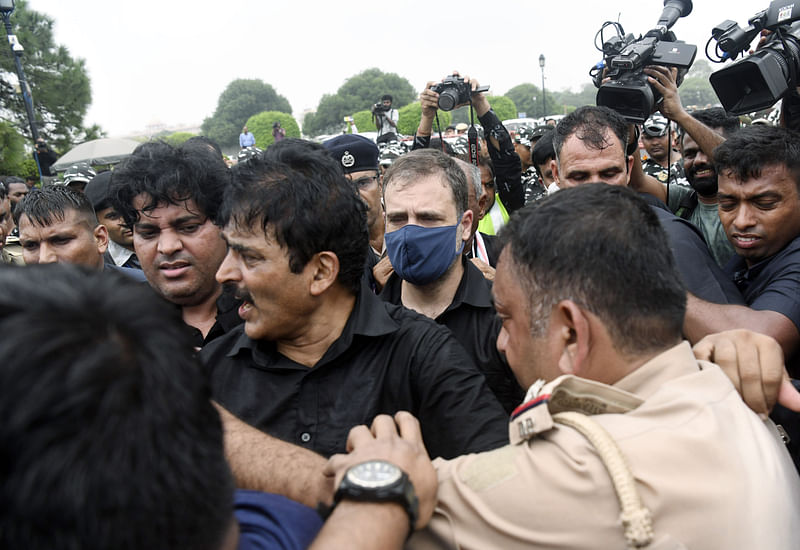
(168, 61)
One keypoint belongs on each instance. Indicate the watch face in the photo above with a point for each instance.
(375, 473)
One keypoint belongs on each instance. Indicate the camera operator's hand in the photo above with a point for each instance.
(429, 101)
(479, 101)
(665, 81)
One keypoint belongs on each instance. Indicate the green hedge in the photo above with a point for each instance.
(261, 126)
(409, 119)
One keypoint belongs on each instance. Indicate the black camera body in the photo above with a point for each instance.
(759, 80)
(454, 91)
(380, 108)
(628, 92)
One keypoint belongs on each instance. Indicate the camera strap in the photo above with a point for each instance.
(472, 136)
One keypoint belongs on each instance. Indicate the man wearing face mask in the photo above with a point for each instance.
(318, 352)
(427, 225)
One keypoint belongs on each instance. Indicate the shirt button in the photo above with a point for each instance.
(305, 437)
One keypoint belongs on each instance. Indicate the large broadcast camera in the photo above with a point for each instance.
(454, 91)
(762, 78)
(624, 57)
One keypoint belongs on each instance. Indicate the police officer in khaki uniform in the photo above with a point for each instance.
(625, 439)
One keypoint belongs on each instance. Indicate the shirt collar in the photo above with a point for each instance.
(473, 290)
(370, 317)
(677, 361)
(119, 253)
(743, 275)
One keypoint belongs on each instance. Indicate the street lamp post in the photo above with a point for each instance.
(544, 95)
(6, 9)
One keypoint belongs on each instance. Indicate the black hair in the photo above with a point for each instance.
(543, 150)
(746, 153)
(486, 160)
(387, 96)
(590, 124)
(297, 191)
(203, 141)
(426, 162)
(46, 205)
(170, 175)
(716, 117)
(109, 438)
(603, 247)
(443, 146)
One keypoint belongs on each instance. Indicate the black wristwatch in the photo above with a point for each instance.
(379, 481)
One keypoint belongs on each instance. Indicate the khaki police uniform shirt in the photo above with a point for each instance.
(711, 472)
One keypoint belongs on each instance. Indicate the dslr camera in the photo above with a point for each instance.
(379, 108)
(768, 74)
(628, 92)
(454, 91)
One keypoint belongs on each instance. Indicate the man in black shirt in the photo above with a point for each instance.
(169, 196)
(428, 224)
(759, 199)
(318, 353)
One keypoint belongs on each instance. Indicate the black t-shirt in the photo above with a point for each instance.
(387, 359)
(471, 317)
(772, 285)
(227, 319)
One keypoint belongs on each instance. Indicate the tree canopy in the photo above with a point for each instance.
(358, 93)
(409, 119)
(12, 151)
(242, 99)
(59, 83)
(696, 90)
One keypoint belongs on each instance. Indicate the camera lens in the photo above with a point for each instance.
(448, 99)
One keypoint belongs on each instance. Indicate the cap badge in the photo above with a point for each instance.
(348, 160)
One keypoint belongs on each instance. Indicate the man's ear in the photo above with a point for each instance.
(324, 268)
(629, 161)
(466, 225)
(574, 331)
(101, 238)
(554, 168)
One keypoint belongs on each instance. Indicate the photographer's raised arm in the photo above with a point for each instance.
(507, 165)
(703, 318)
(428, 100)
(664, 80)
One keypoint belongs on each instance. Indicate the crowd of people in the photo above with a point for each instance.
(494, 339)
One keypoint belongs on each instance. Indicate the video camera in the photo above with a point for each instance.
(624, 56)
(454, 91)
(762, 78)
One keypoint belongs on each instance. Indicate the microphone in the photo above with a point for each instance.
(674, 9)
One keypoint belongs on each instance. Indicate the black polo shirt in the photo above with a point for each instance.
(471, 317)
(387, 359)
(227, 319)
(772, 285)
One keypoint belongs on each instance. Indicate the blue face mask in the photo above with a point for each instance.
(420, 255)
